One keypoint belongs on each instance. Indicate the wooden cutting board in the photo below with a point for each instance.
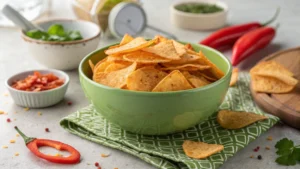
(285, 106)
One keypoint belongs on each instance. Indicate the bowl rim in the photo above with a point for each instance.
(66, 78)
(29, 39)
(227, 75)
(187, 14)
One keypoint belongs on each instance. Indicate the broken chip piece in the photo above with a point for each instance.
(200, 150)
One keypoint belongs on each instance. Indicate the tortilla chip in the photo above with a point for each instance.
(186, 58)
(191, 67)
(273, 66)
(234, 76)
(164, 49)
(134, 45)
(160, 38)
(189, 47)
(173, 82)
(269, 84)
(235, 120)
(194, 80)
(201, 74)
(200, 150)
(92, 66)
(180, 48)
(102, 66)
(116, 79)
(284, 78)
(144, 57)
(214, 71)
(115, 58)
(126, 39)
(145, 79)
(115, 66)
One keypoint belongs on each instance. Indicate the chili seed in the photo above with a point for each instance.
(47, 130)
(70, 103)
(8, 120)
(259, 157)
(96, 164)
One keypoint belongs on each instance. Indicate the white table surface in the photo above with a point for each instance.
(14, 58)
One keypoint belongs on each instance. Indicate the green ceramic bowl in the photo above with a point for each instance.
(160, 112)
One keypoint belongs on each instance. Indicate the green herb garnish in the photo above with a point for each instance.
(198, 8)
(288, 153)
(55, 32)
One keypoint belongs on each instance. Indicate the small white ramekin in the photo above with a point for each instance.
(193, 21)
(38, 99)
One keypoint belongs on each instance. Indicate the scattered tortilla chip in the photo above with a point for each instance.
(144, 57)
(91, 65)
(200, 150)
(269, 84)
(215, 71)
(116, 79)
(236, 120)
(164, 49)
(145, 79)
(126, 39)
(115, 66)
(173, 82)
(180, 48)
(191, 67)
(234, 76)
(134, 45)
(273, 66)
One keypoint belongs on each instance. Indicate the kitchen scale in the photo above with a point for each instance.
(128, 17)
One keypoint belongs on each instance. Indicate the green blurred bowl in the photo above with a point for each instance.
(160, 112)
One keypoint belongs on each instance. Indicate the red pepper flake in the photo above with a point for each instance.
(99, 168)
(8, 120)
(256, 149)
(69, 103)
(47, 130)
(96, 164)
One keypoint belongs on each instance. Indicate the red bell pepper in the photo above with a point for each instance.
(33, 145)
(228, 36)
(251, 42)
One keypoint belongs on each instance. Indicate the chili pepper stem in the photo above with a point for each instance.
(26, 139)
(273, 18)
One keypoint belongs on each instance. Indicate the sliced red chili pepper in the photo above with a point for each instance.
(33, 145)
(251, 42)
(228, 36)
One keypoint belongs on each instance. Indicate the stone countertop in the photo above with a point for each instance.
(14, 58)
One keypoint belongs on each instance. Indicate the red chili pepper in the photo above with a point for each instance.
(229, 35)
(251, 42)
(33, 145)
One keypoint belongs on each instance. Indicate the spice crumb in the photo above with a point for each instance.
(88, 163)
(15, 119)
(96, 164)
(270, 138)
(12, 141)
(69, 103)
(17, 135)
(2, 112)
(47, 130)
(104, 155)
(267, 148)
(17, 154)
(259, 157)
(15, 112)
(26, 108)
(5, 94)
(58, 155)
(39, 113)
(4, 146)
(8, 120)
(116, 168)
(252, 156)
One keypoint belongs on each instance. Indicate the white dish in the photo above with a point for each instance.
(64, 55)
(38, 99)
(194, 21)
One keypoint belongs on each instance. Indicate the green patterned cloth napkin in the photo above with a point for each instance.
(165, 152)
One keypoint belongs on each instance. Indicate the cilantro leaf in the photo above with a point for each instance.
(288, 153)
(56, 30)
(74, 35)
(37, 34)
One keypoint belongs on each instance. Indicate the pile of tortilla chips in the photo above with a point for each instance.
(156, 65)
(271, 77)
